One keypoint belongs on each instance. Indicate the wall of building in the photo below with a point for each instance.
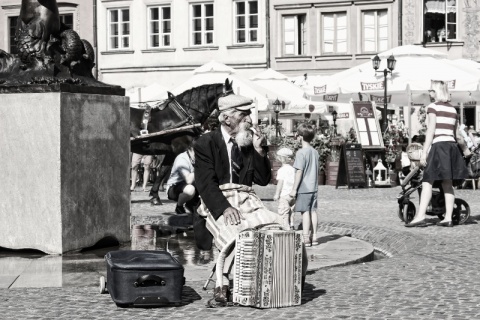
(140, 65)
(314, 61)
(83, 18)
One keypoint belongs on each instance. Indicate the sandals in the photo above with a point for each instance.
(306, 240)
(314, 240)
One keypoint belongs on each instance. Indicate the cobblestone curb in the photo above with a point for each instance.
(389, 242)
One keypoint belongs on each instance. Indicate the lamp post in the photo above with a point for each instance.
(276, 109)
(334, 115)
(390, 67)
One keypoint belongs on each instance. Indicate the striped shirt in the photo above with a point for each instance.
(446, 116)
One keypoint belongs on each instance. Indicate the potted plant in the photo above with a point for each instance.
(393, 139)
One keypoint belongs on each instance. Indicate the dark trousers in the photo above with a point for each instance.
(162, 177)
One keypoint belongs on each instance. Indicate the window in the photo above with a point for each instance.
(294, 38)
(440, 20)
(375, 31)
(12, 23)
(334, 33)
(119, 28)
(246, 21)
(202, 24)
(160, 27)
(67, 19)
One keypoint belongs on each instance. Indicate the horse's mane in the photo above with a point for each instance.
(200, 93)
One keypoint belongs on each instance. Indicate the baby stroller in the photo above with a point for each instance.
(413, 182)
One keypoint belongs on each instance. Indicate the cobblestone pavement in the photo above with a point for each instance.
(432, 273)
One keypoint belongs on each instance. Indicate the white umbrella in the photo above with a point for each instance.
(413, 69)
(415, 73)
(151, 93)
(215, 72)
(277, 82)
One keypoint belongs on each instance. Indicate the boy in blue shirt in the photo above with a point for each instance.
(305, 187)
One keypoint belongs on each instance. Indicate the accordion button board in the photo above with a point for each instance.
(268, 268)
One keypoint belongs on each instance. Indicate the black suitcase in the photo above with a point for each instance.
(144, 278)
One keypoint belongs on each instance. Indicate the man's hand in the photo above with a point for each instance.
(276, 197)
(233, 215)
(258, 139)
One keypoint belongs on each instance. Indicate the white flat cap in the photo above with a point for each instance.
(285, 152)
(235, 101)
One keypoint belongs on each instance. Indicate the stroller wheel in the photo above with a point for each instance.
(461, 212)
(406, 212)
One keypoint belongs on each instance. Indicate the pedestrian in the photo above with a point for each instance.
(285, 180)
(228, 161)
(146, 161)
(181, 183)
(471, 134)
(441, 157)
(305, 187)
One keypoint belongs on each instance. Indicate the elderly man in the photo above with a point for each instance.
(228, 161)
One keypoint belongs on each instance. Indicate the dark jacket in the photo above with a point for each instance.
(212, 169)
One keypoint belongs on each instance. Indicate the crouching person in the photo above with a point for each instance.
(181, 184)
(227, 162)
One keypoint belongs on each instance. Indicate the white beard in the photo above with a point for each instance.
(244, 137)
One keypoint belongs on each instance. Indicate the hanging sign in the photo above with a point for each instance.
(371, 86)
(380, 99)
(320, 90)
(330, 97)
(366, 124)
(343, 115)
(450, 83)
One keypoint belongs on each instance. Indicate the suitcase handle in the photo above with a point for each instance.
(149, 280)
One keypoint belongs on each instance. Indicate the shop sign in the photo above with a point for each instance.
(330, 97)
(320, 90)
(343, 115)
(371, 86)
(451, 83)
(380, 99)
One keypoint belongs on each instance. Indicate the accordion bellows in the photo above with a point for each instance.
(268, 268)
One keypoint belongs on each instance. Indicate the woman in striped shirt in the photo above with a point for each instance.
(441, 157)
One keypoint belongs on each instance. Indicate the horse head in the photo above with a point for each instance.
(202, 101)
(195, 105)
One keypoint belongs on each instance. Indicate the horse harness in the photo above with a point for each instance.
(177, 109)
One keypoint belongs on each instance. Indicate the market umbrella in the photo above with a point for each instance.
(416, 67)
(151, 93)
(277, 82)
(216, 72)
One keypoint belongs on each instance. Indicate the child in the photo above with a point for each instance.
(285, 179)
(305, 187)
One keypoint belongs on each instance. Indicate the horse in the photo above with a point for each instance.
(191, 107)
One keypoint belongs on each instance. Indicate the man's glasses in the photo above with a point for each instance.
(431, 91)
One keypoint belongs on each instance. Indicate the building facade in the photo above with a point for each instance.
(145, 41)
(324, 37)
(77, 14)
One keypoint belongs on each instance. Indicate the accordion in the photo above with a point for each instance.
(268, 268)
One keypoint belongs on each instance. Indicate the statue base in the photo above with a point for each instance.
(65, 170)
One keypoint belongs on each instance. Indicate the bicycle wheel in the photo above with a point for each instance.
(408, 212)
(461, 212)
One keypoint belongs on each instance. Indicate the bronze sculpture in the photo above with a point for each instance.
(49, 51)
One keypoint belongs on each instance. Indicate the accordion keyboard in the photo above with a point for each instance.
(268, 267)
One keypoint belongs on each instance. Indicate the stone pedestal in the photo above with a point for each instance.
(65, 170)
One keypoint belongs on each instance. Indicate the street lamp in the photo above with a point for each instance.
(390, 67)
(276, 109)
(334, 115)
